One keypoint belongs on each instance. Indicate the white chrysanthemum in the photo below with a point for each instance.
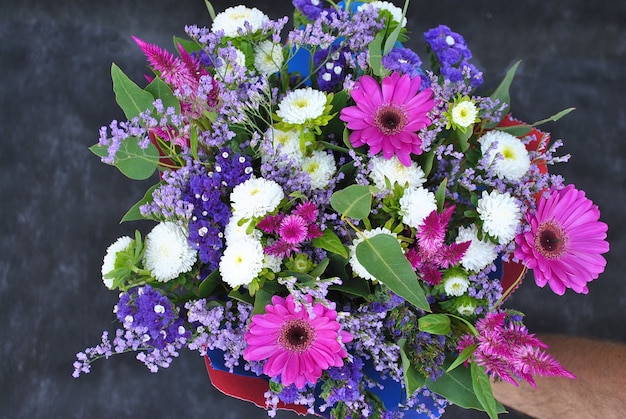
(392, 169)
(357, 268)
(272, 262)
(226, 68)
(467, 309)
(396, 12)
(288, 141)
(234, 231)
(268, 58)
(167, 253)
(234, 18)
(256, 197)
(464, 113)
(108, 263)
(241, 261)
(301, 105)
(320, 167)
(500, 215)
(509, 157)
(415, 205)
(455, 285)
(479, 254)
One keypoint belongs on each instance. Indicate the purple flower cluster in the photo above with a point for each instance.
(452, 54)
(331, 63)
(206, 191)
(312, 9)
(405, 61)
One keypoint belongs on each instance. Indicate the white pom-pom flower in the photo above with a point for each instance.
(392, 169)
(508, 158)
(415, 205)
(256, 197)
(301, 105)
(320, 167)
(167, 253)
(241, 261)
(396, 12)
(479, 254)
(108, 263)
(268, 58)
(455, 285)
(500, 215)
(234, 18)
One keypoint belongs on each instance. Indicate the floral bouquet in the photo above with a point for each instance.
(337, 223)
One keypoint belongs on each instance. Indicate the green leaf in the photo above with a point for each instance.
(413, 380)
(329, 241)
(437, 324)
(244, 297)
(393, 37)
(440, 195)
(463, 356)
(209, 284)
(375, 53)
(320, 268)
(483, 391)
(502, 92)
(355, 201)
(463, 136)
(358, 287)
(210, 9)
(135, 162)
(160, 90)
(132, 99)
(133, 213)
(382, 257)
(516, 130)
(554, 117)
(99, 150)
(261, 298)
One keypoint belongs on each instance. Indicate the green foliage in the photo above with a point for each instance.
(436, 324)
(133, 213)
(354, 202)
(502, 92)
(131, 98)
(330, 242)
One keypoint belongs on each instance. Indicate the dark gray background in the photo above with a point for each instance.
(61, 206)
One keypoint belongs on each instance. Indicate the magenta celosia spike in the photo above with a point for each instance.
(171, 69)
(193, 66)
(452, 254)
(431, 234)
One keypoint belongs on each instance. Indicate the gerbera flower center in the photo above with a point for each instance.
(390, 119)
(550, 240)
(296, 335)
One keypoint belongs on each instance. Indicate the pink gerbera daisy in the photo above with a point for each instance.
(296, 344)
(565, 241)
(388, 117)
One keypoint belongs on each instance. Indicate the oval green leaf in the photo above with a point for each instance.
(437, 324)
(132, 99)
(355, 201)
(329, 241)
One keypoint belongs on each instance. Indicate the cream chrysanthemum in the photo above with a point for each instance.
(500, 215)
(410, 176)
(396, 12)
(479, 254)
(268, 58)
(108, 263)
(357, 268)
(320, 167)
(287, 141)
(509, 157)
(415, 205)
(455, 285)
(234, 18)
(301, 105)
(241, 261)
(235, 230)
(256, 197)
(167, 253)
(464, 113)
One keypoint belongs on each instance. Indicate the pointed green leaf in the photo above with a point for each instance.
(393, 37)
(318, 271)
(329, 241)
(413, 380)
(99, 150)
(244, 296)
(483, 391)
(554, 117)
(133, 213)
(135, 162)
(375, 53)
(132, 99)
(261, 298)
(502, 92)
(382, 257)
(209, 284)
(516, 130)
(355, 201)
(437, 324)
(358, 287)
(463, 137)
(463, 356)
(160, 90)
(440, 195)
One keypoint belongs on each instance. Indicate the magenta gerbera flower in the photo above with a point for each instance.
(565, 241)
(296, 344)
(388, 117)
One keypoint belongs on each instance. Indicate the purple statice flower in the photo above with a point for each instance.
(167, 199)
(331, 63)
(207, 190)
(312, 9)
(405, 61)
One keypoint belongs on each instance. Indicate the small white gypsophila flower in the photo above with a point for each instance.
(357, 268)
(320, 167)
(479, 254)
(268, 58)
(108, 263)
(234, 18)
(396, 12)
(455, 285)
(226, 68)
(301, 105)
(464, 113)
(234, 231)
(167, 253)
(241, 261)
(392, 169)
(415, 205)
(287, 141)
(500, 215)
(509, 157)
(256, 197)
